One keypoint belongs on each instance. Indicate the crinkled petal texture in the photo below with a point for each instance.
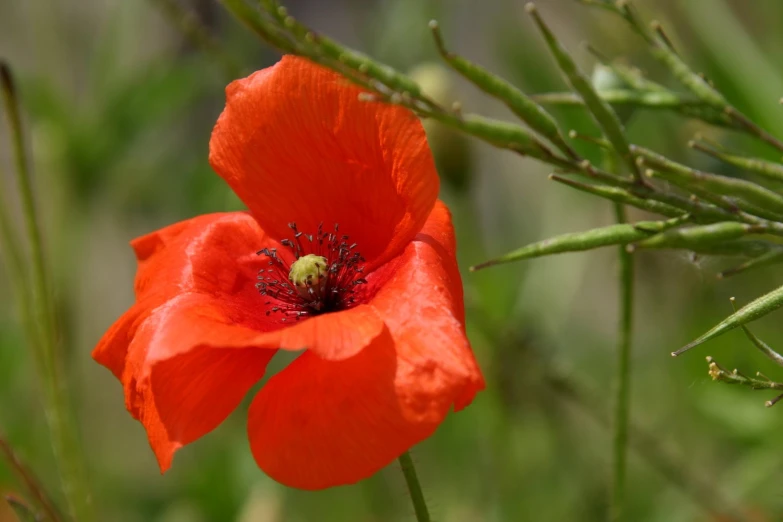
(297, 145)
(185, 350)
(321, 423)
(198, 336)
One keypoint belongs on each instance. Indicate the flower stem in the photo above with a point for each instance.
(622, 390)
(42, 327)
(417, 496)
(623, 376)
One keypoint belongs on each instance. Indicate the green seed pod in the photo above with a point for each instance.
(686, 106)
(768, 169)
(694, 237)
(520, 104)
(689, 79)
(750, 312)
(500, 133)
(750, 197)
(619, 234)
(619, 195)
(736, 247)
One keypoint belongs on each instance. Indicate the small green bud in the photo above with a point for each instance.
(308, 274)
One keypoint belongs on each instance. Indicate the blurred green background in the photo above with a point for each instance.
(119, 106)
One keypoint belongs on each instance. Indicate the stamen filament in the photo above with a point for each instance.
(322, 290)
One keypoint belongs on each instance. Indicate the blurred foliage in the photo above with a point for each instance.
(119, 108)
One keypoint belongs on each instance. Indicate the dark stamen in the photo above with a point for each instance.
(332, 291)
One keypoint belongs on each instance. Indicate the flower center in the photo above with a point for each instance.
(323, 278)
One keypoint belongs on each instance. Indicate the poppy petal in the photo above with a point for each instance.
(195, 297)
(422, 305)
(297, 144)
(201, 255)
(188, 367)
(333, 336)
(212, 254)
(198, 336)
(216, 254)
(319, 423)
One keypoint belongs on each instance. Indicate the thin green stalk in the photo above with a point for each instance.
(13, 258)
(623, 369)
(623, 378)
(417, 496)
(44, 337)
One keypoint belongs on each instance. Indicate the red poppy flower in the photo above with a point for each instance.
(366, 283)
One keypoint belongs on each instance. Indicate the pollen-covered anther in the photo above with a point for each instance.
(323, 277)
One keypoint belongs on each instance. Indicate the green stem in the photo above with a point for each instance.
(43, 335)
(10, 246)
(417, 496)
(623, 368)
(13, 257)
(623, 378)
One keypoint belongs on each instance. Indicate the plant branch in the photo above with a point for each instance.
(622, 399)
(718, 373)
